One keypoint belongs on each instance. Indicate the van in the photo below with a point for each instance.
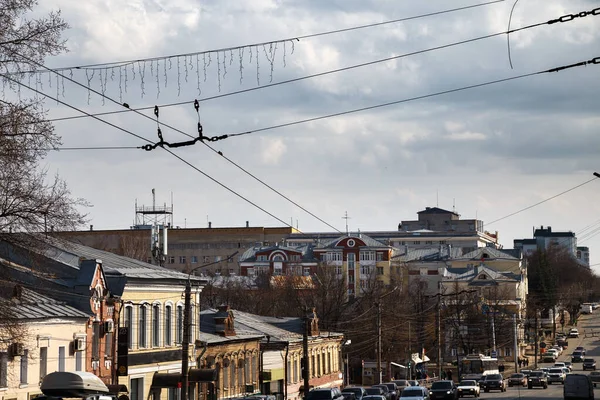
(578, 387)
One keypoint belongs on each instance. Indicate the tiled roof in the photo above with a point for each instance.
(28, 304)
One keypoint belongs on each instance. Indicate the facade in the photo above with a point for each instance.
(583, 255)
(49, 333)
(187, 247)
(279, 260)
(263, 354)
(544, 238)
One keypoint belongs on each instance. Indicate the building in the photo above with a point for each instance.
(42, 338)
(279, 259)
(151, 306)
(545, 238)
(583, 255)
(187, 247)
(228, 342)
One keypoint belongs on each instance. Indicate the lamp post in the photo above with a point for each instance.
(185, 345)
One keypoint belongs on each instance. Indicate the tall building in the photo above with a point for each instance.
(545, 238)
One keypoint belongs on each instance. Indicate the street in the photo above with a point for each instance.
(555, 391)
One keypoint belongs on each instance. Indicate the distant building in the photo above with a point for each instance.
(545, 238)
(583, 255)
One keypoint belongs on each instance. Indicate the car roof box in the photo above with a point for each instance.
(72, 384)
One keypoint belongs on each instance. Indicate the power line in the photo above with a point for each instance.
(113, 64)
(167, 150)
(184, 133)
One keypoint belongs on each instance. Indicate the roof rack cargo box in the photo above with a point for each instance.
(72, 384)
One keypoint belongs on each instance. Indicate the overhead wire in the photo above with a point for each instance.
(186, 134)
(316, 75)
(113, 64)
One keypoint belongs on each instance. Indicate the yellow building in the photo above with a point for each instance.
(38, 341)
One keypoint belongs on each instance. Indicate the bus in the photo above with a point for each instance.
(475, 366)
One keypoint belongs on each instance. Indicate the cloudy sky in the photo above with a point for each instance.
(491, 150)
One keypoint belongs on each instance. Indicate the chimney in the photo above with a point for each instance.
(247, 224)
(209, 224)
(549, 229)
(91, 227)
(224, 321)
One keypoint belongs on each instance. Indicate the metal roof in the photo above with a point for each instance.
(490, 251)
(28, 304)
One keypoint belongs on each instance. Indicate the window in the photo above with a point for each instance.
(278, 257)
(507, 351)
(351, 243)
(4, 370)
(168, 323)
(365, 270)
(205, 259)
(179, 322)
(61, 358)
(323, 257)
(174, 394)
(79, 361)
(240, 374)
(136, 389)
(351, 279)
(181, 259)
(306, 271)
(96, 341)
(232, 371)
(226, 366)
(296, 371)
(367, 256)
(379, 270)
(247, 370)
(24, 364)
(428, 242)
(217, 258)
(171, 259)
(254, 367)
(417, 242)
(261, 258)
(142, 326)
(379, 256)
(156, 325)
(43, 361)
(108, 345)
(442, 242)
(338, 269)
(335, 256)
(194, 259)
(289, 371)
(351, 261)
(128, 323)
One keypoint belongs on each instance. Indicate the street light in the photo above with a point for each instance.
(185, 346)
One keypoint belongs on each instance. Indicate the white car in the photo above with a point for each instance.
(468, 388)
(573, 333)
(558, 348)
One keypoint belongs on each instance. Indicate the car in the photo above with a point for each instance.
(443, 390)
(569, 365)
(394, 393)
(537, 379)
(468, 388)
(562, 342)
(577, 356)
(556, 375)
(589, 363)
(559, 364)
(559, 349)
(349, 396)
(386, 391)
(358, 391)
(580, 348)
(375, 390)
(374, 397)
(325, 394)
(401, 384)
(578, 387)
(595, 376)
(553, 351)
(517, 379)
(413, 382)
(415, 393)
(526, 372)
(493, 382)
(573, 333)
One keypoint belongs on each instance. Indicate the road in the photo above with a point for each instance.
(592, 345)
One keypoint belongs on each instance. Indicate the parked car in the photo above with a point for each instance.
(589, 363)
(537, 379)
(468, 388)
(595, 376)
(358, 391)
(393, 388)
(443, 390)
(577, 356)
(573, 333)
(415, 393)
(553, 352)
(325, 394)
(563, 342)
(493, 382)
(517, 379)
(578, 387)
(558, 348)
(556, 375)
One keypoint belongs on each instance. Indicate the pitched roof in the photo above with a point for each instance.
(491, 252)
(471, 274)
(436, 210)
(27, 304)
(368, 241)
(429, 254)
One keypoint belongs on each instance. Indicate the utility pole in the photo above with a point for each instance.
(439, 330)
(516, 347)
(493, 331)
(409, 353)
(536, 338)
(379, 377)
(306, 366)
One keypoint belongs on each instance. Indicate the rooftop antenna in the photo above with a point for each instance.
(454, 205)
(437, 197)
(346, 217)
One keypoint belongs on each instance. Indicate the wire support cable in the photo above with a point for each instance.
(333, 71)
(115, 64)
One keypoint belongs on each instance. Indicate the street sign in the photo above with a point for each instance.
(494, 354)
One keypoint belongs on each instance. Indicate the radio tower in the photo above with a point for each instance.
(158, 219)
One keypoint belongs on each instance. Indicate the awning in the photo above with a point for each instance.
(173, 380)
(397, 365)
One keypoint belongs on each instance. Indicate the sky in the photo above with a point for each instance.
(487, 151)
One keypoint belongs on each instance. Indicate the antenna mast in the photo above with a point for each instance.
(158, 219)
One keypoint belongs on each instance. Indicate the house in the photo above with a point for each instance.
(279, 259)
(263, 354)
(150, 307)
(40, 335)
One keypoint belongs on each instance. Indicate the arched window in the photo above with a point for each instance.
(128, 323)
(168, 325)
(142, 326)
(156, 325)
(179, 324)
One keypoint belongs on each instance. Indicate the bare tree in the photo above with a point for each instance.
(30, 200)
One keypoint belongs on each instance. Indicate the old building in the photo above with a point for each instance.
(279, 259)
(41, 337)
